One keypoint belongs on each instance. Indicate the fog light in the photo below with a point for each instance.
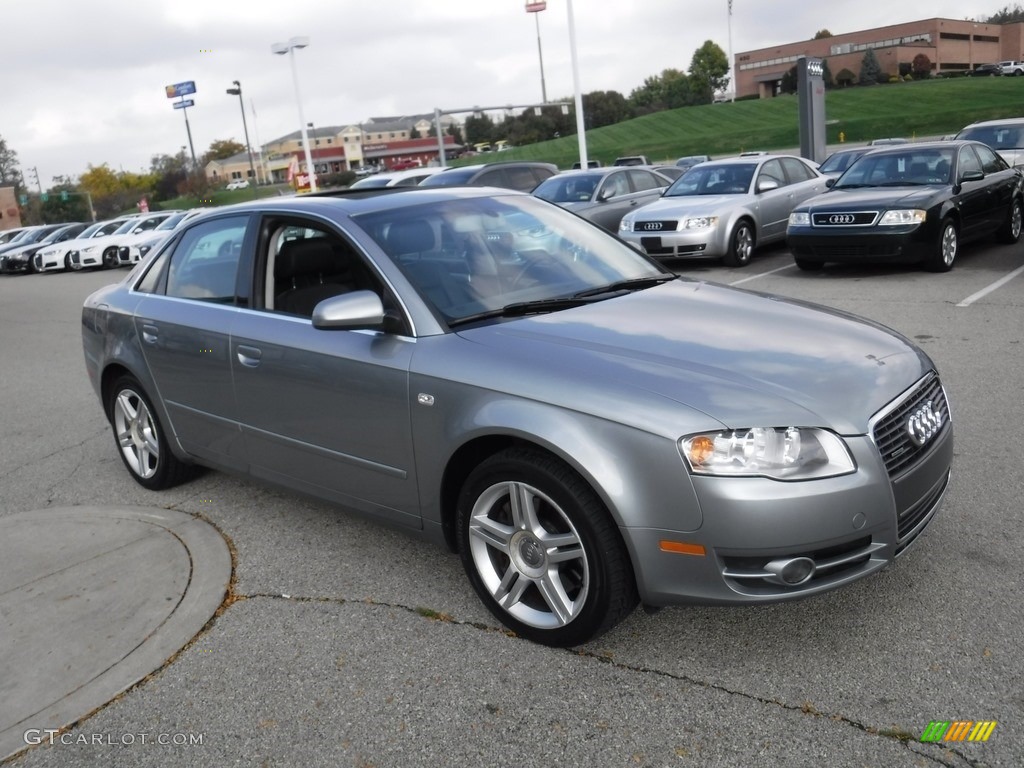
(791, 571)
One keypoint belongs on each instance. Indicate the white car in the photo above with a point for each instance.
(237, 184)
(410, 177)
(133, 247)
(104, 252)
(66, 255)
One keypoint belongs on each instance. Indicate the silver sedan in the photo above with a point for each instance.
(604, 195)
(724, 208)
(489, 372)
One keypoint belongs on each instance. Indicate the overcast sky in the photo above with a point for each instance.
(84, 82)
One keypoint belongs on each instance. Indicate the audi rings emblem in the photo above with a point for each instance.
(651, 225)
(923, 424)
(841, 218)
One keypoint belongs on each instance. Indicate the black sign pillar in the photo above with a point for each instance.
(811, 94)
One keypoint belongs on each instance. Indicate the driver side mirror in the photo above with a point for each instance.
(972, 175)
(349, 311)
(605, 194)
(767, 184)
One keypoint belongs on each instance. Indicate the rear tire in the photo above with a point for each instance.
(741, 245)
(541, 550)
(140, 439)
(1009, 232)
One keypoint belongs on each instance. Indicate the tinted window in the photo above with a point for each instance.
(644, 180)
(205, 261)
(796, 170)
(990, 161)
(996, 136)
(968, 161)
(772, 170)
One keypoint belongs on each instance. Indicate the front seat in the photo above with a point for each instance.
(308, 271)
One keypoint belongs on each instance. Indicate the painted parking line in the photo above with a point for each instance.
(762, 274)
(989, 288)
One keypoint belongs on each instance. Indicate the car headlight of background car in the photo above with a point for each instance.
(899, 218)
(699, 222)
(799, 219)
(781, 453)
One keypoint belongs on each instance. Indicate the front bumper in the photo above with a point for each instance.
(667, 244)
(847, 527)
(855, 244)
(10, 265)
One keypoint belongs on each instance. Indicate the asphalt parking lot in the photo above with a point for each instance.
(344, 643)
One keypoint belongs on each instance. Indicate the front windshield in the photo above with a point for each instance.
(450, 178)
(371, 182)
(128, 226)
(568, 188)
(909, 167)
(171, 221)
(713, 179)
(839, 162)
(91, 230)
(996, 136)
(477, 255)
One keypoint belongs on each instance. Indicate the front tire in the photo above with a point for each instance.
(140, 438)
(1009, 232)
(110, 258)
(741, 245)
(541, 550)
(946, 248)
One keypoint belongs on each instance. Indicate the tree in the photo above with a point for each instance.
(1006, 15)
(921, 67)
(170, 171)
(10, 174)
(821, 34)
(479, 128)
(870, 69)
(602, 108)
(709, 68)
(112, 192)
(221, 149)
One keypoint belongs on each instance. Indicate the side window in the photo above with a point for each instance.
(614, 186)
(644, 180)
(772, 170)
(520, 178)
(796, 171)
(204, 263)
(968, 161)
(990, 161)
(307, 263)
(493, 178)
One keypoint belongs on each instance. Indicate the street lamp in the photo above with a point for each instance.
(289, 48)
(535, 8)
(237, 91)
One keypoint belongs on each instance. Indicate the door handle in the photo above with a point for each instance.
(249, 356)
(150, 333)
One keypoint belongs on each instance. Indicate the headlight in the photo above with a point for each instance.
(799, 219)
(625, 226)
(781, 453)
(91, 248)
(699, 222)
(902, 218)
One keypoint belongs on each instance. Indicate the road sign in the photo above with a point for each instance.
(184, 103)
(181, 89)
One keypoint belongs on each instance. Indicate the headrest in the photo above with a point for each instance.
(314, 256)
(414, 236)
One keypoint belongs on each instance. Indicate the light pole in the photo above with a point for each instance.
(578, 95)
(289, 48)
(237, 91)
(535, 8)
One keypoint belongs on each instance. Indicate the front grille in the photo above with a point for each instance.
(655, 226)
(890, 431)
(844, 218)
(911, 518)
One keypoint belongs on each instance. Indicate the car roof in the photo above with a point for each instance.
(1001, 121)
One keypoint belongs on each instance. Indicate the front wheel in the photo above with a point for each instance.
(110, 258)
(140, 438)
(946, 248)
(741, 245)
(1009, 232)
(541, 550)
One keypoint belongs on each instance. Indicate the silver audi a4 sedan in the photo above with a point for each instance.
(486, 370)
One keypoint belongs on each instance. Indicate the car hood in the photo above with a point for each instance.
(689, 205)
(740, 358)
(916, 196)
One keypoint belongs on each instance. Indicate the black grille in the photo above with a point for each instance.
(851, 250)
(891, 435)
(844, 219)
(655, 226)
(913, 515)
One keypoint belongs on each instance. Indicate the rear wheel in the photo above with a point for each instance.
(541, 550)
(741, 245)
(946, 248)
(140, 438)
(1009, 232)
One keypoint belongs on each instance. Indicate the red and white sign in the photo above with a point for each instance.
(534, 7)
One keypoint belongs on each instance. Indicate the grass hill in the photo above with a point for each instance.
(920, 108)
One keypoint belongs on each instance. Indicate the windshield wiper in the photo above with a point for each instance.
(521, 308)
(633, 284)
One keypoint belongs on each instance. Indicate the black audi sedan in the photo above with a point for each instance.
(910, 203)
